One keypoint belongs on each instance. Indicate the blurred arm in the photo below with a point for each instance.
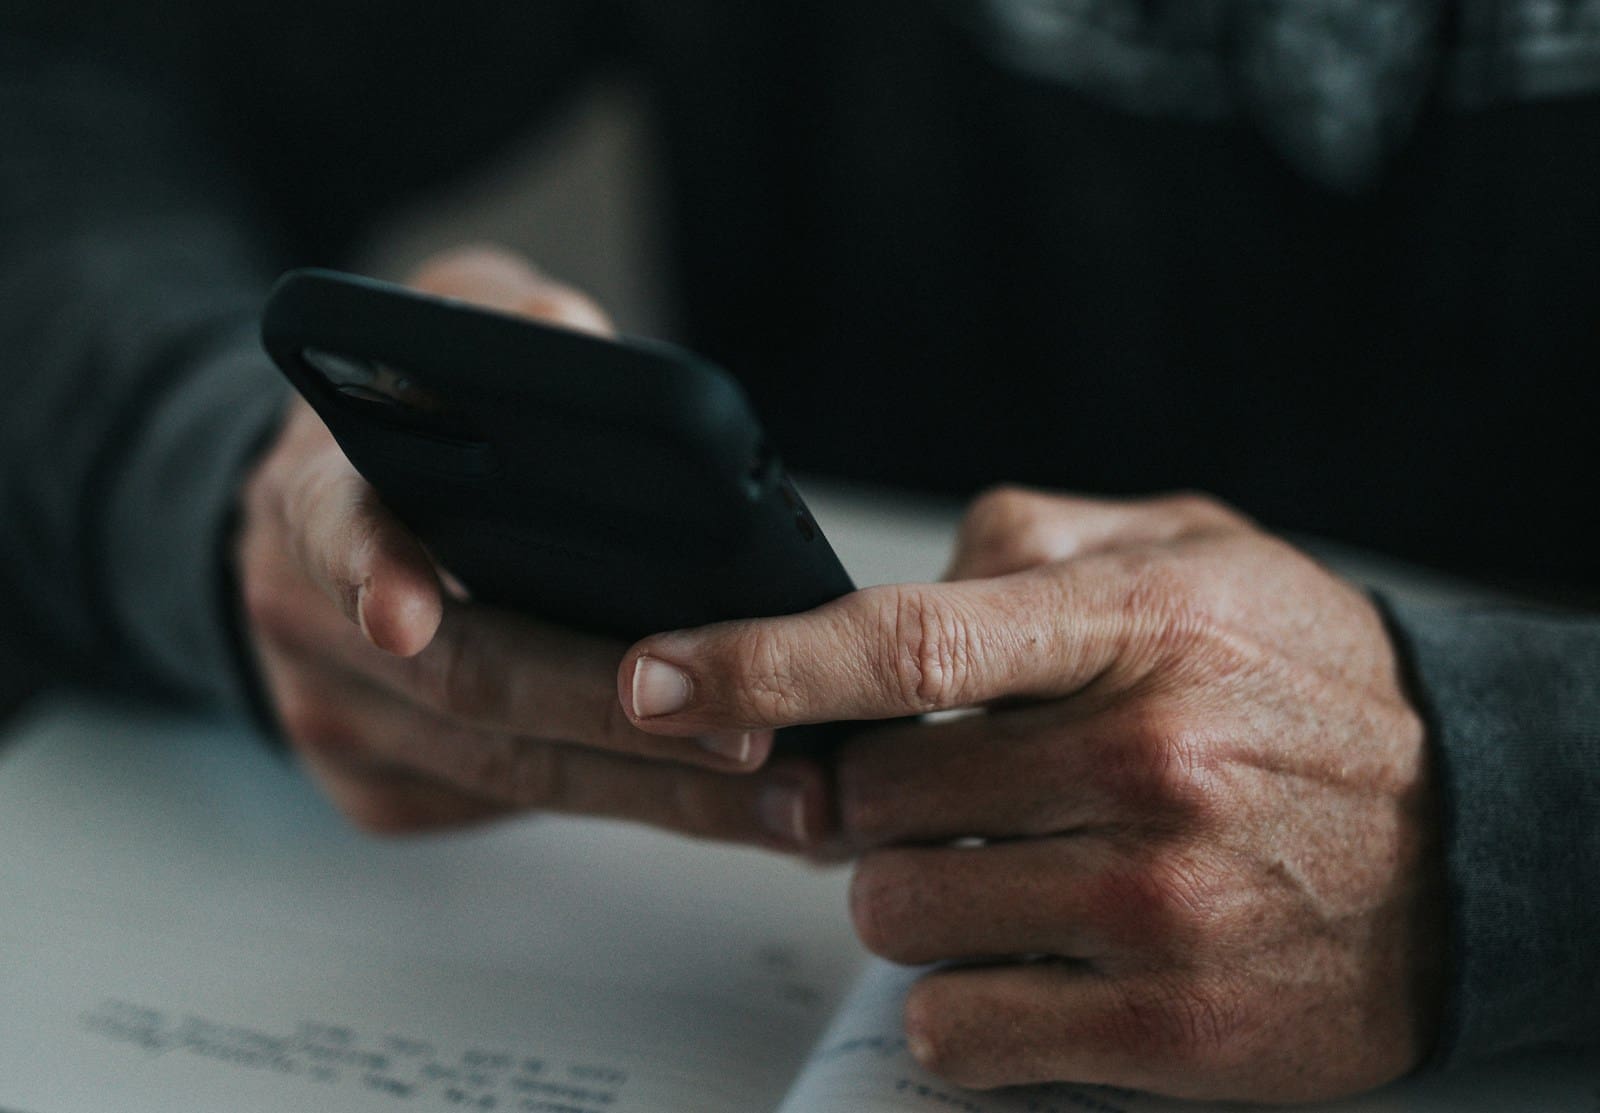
(132, 385)
(154, 180)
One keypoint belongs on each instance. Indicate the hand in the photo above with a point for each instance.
(1207, 864)
(414, 708)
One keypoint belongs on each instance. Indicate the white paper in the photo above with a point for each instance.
(184, 924)
(861, 1065)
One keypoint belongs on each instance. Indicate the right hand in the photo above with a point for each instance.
(414, 708)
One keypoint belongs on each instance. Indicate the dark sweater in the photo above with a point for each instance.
(1343, 277)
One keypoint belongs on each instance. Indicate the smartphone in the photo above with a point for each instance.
(620, 487)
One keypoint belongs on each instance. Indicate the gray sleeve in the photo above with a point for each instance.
(161, 164)
(1513, 703)
(132, 388)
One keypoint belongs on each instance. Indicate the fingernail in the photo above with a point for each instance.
(736, 747)
(782, 811)
(658, 688)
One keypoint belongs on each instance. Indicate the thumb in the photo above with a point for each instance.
(354, 550)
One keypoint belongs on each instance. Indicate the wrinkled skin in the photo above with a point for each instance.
(412, 707)
(1183, 838)
(1201, 793)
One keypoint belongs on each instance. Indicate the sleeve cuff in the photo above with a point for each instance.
(1512, 701)
(171, 524)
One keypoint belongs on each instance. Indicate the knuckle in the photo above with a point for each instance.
(1181, 625)
(933, 655)
(766, 689)
(1199, 508)
(1185, 1026)
(1161, 903)
(1157, 591)
(1030, 547)
(1167, 611)
(1000, 510)
(454, 677)
(1162, 767)
(1011, 527)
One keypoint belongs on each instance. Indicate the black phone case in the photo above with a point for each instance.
(624, 488)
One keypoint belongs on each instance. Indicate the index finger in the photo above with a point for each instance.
(882, 653)
(505, 674)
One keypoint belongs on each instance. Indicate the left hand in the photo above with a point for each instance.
(1209, 858)
(412, 706)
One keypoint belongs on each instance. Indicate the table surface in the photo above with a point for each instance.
(185, 924)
